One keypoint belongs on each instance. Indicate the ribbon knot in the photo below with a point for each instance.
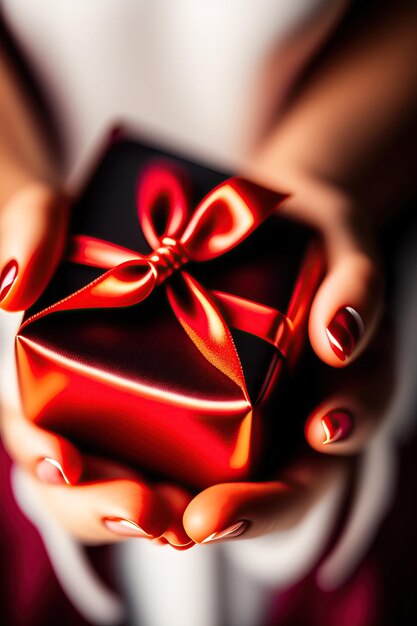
(168, 258)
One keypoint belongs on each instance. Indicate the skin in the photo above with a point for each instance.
(331, 149)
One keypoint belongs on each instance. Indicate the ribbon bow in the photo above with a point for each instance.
(223, 219)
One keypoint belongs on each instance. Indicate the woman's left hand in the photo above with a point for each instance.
(339, 429)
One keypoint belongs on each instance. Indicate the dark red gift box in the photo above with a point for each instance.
(180, 306)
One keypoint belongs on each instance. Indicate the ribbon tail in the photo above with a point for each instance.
(202, 321)
(125, 285)
(257, 319)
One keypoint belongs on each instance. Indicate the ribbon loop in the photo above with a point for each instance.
(124, 285)
(162, 204)
(226, 216)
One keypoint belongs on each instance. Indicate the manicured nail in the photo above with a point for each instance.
(125, 527)
(228, 533)
(337, 425)
(181, 546)
(344, 332)
(7, 278)
(175, 541)
(50, 471)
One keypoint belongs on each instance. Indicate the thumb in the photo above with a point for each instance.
(33, 227)
(347, 306)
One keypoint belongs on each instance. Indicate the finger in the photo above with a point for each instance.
(346, 308)
(342, 425)
(107, 511)
(358, 403)
(347, 305)
(231, 510)
(33, 227)
(52, 460)
(244, 510)
(49, 457)
(177, 500)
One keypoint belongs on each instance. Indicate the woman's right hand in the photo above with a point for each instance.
(94, 499)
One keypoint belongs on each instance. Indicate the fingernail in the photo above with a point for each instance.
(125, 527)
(337, 425)
(176, 541)
(228, 533)
(181, 546)
(7, 278)
(50, 471)
(344, 332)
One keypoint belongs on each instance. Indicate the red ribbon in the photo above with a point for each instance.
(223, 219)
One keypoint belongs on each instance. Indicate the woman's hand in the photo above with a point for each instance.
(33, 212)
(95, 500)
(354, 404)
(345, 151)
(342, 150)
(347, 306)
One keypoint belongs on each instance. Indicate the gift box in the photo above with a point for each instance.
(165, 337)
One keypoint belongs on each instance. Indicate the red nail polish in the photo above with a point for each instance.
(7, 278)
(50, 471)
(337, 425)
(344, 332)
(125, 527)
(235, 530)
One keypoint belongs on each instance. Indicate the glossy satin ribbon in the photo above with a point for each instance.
(223, 219)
